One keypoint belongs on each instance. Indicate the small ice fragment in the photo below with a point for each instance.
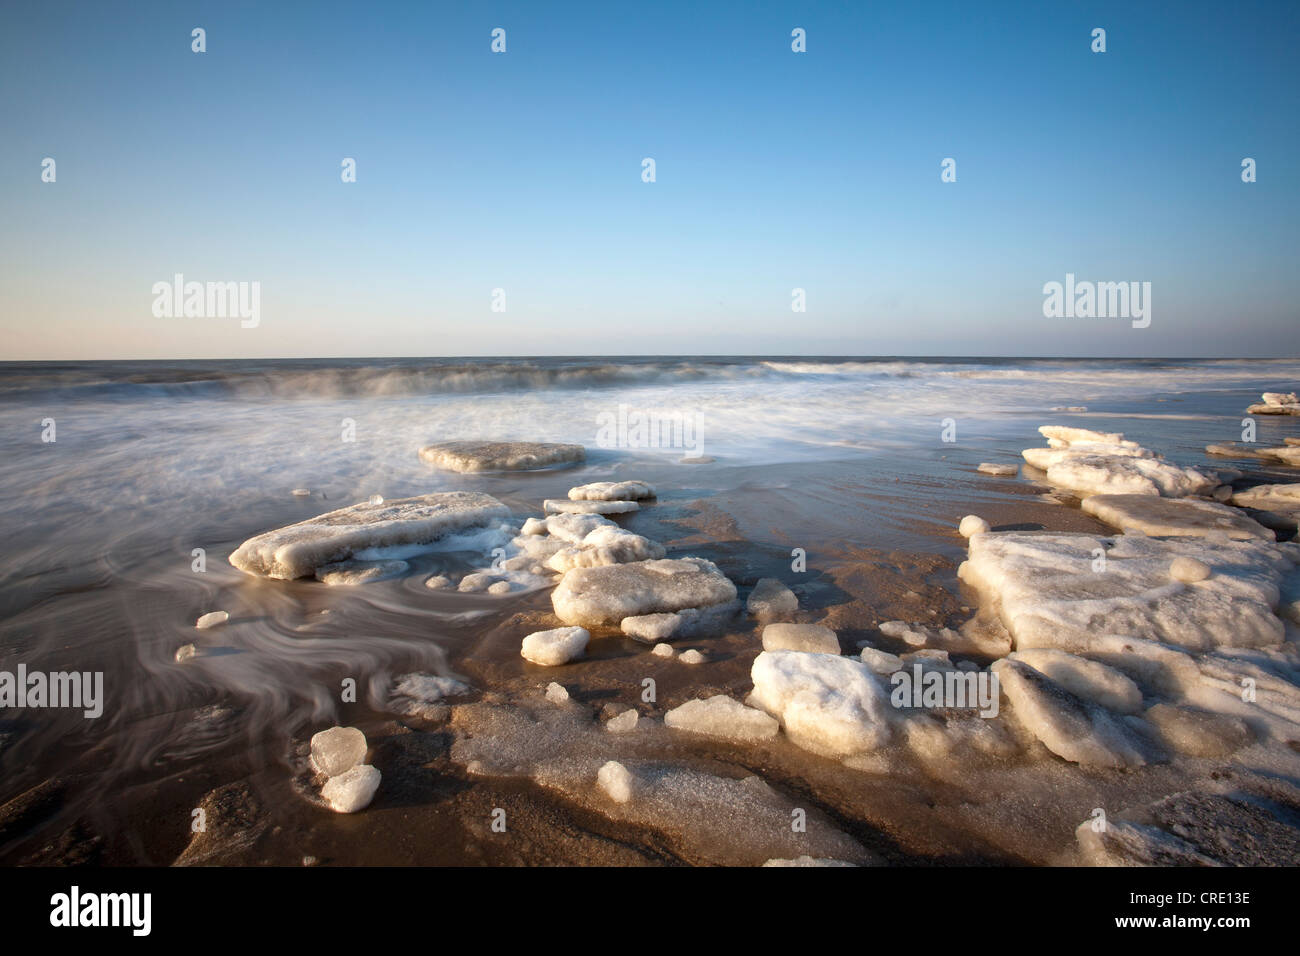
(556, 693)
(692, 657)
(212, 619)
(301, 492)
(438, 582)
(376, 499)
(623, 723)
(556, 646)
(771, 600)
(811, 638)
(351, 790)
(721, 716)
(534, 526)
(972, 525)
(993, 468)
(501, 587)
(616, 780)
(185, 652)
(882, 662)
(337, 750)
(662, 650)
(1188, 570)
(807, 861)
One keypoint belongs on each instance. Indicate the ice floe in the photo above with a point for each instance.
(606, 595)
(1068, 590)
(1091, 462)
(565, 506)
(476, 456)
(297, 550)
(1173, 516)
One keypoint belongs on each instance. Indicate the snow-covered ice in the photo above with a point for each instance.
(612, 491)
(297, 550)
(565, 506)
(606, 595)
(831, 705)
(1163, 517)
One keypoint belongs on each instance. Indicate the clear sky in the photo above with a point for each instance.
(522, 171)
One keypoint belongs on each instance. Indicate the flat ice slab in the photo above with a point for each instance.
(1091, 462)
(606, 595)
(1073, 591)
(471, 456)
(1173, 516)
(554, 506)
(721, 716)
(297, 550)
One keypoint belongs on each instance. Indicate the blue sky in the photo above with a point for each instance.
(522, 171)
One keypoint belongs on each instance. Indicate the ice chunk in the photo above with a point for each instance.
(693, 657)
(556, 646)
(212, 619)
(351, 790)
(185, 652)
(882, 662)
(438, 582)
(831, 705)
(992, 468)
(721, 716)
(616, 780)
(338, 749)
(533, 526)
(623, 723)
(1090, 680)
(359, 572)
(1075, 730)
(604, 545)
(1284, 498)
(1069, 590)
(607, 595)
(299, 549)
(1280, 398)
(1096, 474)
(971, 525)
(1165, 517)
(556, 693)
(686, 623)
(612, 491)
(1198, 733)
(376, 499)
(771, 600)
(573, 527)
(662, 650)
(810, 638)
(301, 492)
(564, 506)
(475, 456)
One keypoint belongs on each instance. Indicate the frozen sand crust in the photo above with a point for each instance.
(703, 817)
(721, 716)
(1167, 517)
(1049, 595)
(297, 550)
(831, 705)
(606, 595)
(476, 456)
